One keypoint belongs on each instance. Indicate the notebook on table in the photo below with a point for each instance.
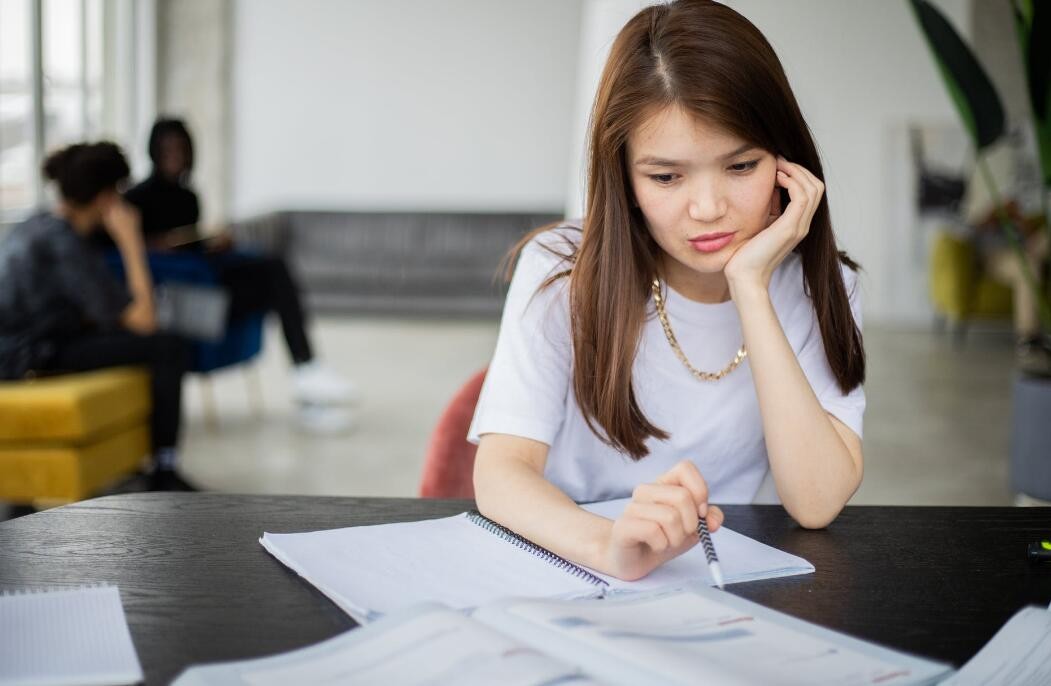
(467, 560)
(66, 636)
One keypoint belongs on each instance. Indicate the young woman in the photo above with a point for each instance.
(696, 338)
(62, 310)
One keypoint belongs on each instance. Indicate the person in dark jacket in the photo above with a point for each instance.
(61, 308)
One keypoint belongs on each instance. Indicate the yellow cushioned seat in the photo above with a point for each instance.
(63, 438)
(958, 292)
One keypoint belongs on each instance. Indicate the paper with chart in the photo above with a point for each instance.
(701, 636)
(426, 646)
(683, 637)
(371, 570)
(66, 636)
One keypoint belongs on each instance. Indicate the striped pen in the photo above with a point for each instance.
(709, 551)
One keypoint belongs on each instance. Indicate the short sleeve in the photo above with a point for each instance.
(848, 408)
(84, 280)
(525, 389)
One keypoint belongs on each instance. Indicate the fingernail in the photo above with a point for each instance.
(702, 511)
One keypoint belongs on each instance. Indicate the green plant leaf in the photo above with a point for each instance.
(1033, 23)
(969, 86)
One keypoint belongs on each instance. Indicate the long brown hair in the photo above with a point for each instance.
(710, 60)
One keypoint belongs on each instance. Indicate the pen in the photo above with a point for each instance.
(709, 551)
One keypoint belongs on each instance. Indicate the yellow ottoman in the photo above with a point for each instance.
(62, 438)
(958, 292)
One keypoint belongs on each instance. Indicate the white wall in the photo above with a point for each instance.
(859, 69)
(193, 62)
(402, 104)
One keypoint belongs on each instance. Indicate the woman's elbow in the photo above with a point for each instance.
(814, 515)
(811, 521)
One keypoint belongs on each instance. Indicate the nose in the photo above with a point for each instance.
(707, 202)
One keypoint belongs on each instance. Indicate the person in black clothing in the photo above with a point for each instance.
(62, 310)
(170, 215)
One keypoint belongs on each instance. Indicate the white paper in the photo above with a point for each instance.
(371, 570)
(688, 638)
(740, 557)
(378, 569)
(1019, 653)
(75, 636)
(683, 637)
(428, 646)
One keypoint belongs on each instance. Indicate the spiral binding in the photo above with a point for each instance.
(511, 537)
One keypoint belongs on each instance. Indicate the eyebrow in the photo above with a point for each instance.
(664, 162)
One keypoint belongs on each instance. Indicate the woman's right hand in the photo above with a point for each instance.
(660, 523)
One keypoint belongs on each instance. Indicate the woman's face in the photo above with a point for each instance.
(702, 191)
(173, 157)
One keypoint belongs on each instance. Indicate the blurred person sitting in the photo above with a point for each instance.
(170, 214)
(1001, 261)
(61, 309)
(1012, 163)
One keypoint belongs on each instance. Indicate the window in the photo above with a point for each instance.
(17, 162)
(65, 76)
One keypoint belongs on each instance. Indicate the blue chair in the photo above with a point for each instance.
(243, 339)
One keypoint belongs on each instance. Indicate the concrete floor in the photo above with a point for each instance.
(937, 423)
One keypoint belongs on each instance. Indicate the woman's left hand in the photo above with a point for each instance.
(755, 261)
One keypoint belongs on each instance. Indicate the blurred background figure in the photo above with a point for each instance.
(255, 283)
(61, 310)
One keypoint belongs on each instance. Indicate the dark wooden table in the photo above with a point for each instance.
(197, 586)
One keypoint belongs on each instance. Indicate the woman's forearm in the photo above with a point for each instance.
(139, 315)
(513, 492)
(813, 468)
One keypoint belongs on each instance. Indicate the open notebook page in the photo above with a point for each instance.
(378, 569)
(370, 570)
(741, 558)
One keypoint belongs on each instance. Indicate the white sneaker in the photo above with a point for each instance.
(326, 420)
(318, 385)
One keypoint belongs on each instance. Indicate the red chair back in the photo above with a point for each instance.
(449, 462)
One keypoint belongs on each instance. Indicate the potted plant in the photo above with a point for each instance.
(980, 108)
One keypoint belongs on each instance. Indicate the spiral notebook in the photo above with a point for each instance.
(467, 561)
(66, 636)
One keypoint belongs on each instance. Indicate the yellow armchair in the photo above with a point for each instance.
(959, 292)
(63, 438)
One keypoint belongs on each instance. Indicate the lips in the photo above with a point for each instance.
(711, 242)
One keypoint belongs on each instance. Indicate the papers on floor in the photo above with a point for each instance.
(372, 570)
(683, 637)
(73, 636)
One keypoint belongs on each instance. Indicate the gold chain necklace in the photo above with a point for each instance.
(658, 300)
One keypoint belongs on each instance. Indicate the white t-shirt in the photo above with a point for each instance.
(528, 390)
